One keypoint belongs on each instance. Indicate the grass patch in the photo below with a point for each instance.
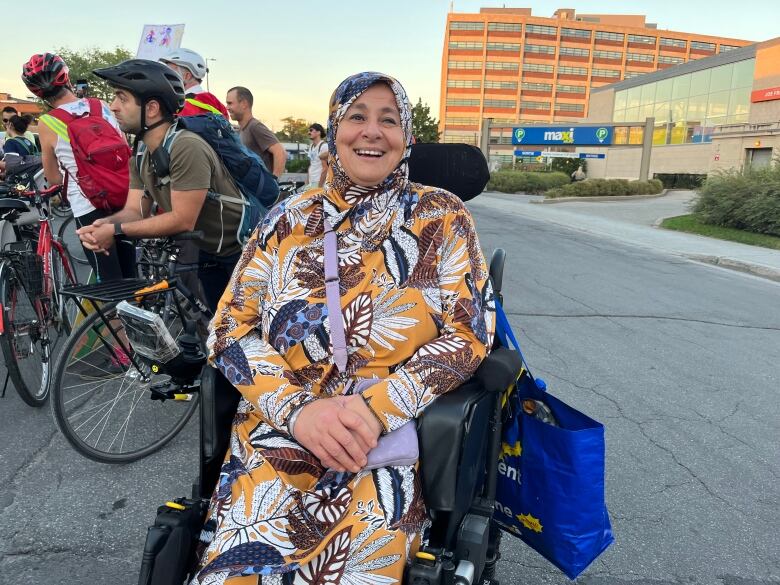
(693, 225)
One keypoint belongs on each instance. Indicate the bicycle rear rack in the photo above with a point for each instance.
(112, 291)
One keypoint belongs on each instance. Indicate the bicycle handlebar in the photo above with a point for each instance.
(49, 191)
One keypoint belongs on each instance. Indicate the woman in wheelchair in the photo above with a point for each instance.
(303, 495)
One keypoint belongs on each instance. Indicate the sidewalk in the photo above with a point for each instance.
(634, 222)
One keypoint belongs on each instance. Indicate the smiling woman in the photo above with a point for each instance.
(408, 304)
(370, 141)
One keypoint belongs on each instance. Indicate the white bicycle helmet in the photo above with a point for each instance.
(188, 59)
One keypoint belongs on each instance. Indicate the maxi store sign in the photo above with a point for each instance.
(563, 135)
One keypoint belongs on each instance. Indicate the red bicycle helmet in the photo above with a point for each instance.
(45, 74)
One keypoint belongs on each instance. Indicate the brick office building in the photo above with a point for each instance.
(505, 64)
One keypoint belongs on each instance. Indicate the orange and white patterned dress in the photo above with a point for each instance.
(418, 313)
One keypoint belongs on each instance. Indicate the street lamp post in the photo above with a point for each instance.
(207, 72)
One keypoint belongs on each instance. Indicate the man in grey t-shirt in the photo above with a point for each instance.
(254, 134)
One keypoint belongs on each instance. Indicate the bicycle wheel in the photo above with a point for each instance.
(23, 340)
(103, 405)
(67, 235)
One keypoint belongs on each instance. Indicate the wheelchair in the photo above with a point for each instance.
(459, 485)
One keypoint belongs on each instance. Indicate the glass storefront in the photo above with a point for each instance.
(686, 107)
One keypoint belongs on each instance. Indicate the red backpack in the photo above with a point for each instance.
(101, 152)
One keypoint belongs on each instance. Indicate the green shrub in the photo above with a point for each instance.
(300, 165)
(568, 165)
(606, 188)
(748, 200)
(681, 180)
(525, 182)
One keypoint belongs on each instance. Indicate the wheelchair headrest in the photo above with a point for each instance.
(458, 168)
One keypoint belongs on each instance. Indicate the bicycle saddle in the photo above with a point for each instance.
(13, 204)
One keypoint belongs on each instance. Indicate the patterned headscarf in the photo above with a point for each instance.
(338, 182)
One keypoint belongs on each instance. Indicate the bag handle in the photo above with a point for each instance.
(333, 298)
(504, 331)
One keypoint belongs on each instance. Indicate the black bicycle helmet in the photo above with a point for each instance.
(147, 80)
(45, 74)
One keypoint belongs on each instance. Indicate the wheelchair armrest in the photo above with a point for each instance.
(454, 434)
(499, 369)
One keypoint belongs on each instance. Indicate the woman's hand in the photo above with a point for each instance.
(357, 404)
(337, 435)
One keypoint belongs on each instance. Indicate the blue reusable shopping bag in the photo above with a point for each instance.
(550, 490)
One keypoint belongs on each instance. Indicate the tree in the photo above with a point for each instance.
(82, 63)
(294, 130)
(424, 128)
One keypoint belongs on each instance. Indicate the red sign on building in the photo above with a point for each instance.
(765, 95)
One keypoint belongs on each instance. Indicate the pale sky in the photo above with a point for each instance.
(292, 54)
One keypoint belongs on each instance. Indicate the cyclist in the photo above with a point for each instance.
(192, 68)
(147, 97)
(46, 75)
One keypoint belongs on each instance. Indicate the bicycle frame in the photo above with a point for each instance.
(45, 242)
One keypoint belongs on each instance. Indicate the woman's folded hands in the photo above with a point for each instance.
(339, 431)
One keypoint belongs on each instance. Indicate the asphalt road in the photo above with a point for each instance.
(680, 360)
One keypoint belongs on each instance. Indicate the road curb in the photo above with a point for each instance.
(601, 198)
(755, 269)
(724, 261)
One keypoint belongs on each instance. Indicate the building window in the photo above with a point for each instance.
(503, 47)
(474, 46)
(540, 49)
(574, 52)
(609, 36)
(575, 32)
(570, 88)
(505, 27)
(672, 60)
(501, 66)
(640, 57)
(461, 121)
(527, 105)
(489, 84)
(702, 46)
(538, 29)
(680, 43)
(605, 73)
(641, 39)
(615, 55)
(467, 26)
(537, 86)
(461, 102)
(464, 65)
(464, 83)
(632, 74)
(724, 48)
(500, 104)
(563, 107)
(465, 138)
(537, 67)
(572, 70)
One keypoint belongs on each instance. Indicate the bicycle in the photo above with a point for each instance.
(124, 388)
(34, 315)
